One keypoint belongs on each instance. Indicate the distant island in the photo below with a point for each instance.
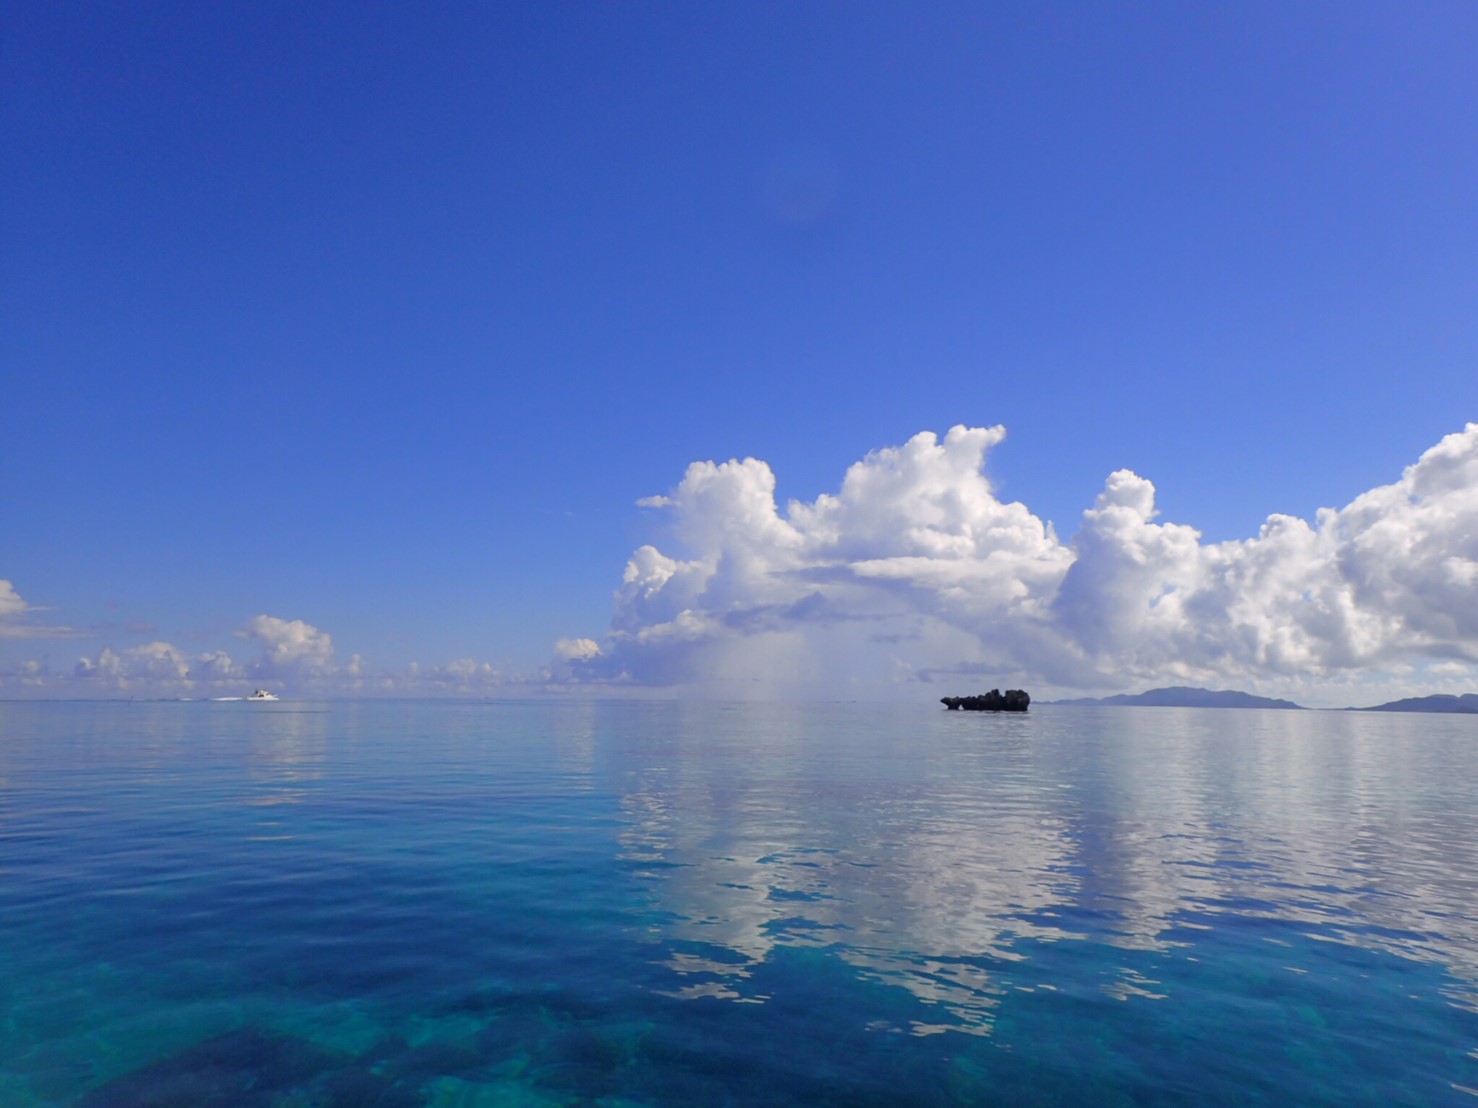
(1014, 700)
(1181, 696)
(1440, 702)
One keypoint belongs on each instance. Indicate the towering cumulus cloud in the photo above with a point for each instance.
(915, 570)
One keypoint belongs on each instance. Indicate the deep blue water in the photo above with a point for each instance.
(622, 904)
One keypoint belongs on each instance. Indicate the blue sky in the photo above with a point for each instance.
(382, 318)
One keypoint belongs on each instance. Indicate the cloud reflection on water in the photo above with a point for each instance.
(938, 853)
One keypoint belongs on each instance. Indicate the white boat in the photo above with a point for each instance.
(262, 694)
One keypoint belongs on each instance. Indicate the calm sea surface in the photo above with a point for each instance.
(623, 904)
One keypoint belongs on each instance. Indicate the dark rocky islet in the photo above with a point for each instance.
(1012, 700)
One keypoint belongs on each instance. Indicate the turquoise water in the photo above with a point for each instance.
(621, 904)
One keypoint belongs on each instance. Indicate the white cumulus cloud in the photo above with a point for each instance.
(465, 675)
(291, 652)
(915, 569)
(153, 665)
(293, 658)
(13, 613)
(292, 649)
(11, 603)
(566, 649)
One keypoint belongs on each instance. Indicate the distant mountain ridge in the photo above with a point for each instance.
(1182, 696)
(1466, 704)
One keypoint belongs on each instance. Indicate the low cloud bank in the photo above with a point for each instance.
(289, 656)
(292, 657)
(289, 653)
(915, 571)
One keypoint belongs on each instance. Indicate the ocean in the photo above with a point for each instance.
(627, 903)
